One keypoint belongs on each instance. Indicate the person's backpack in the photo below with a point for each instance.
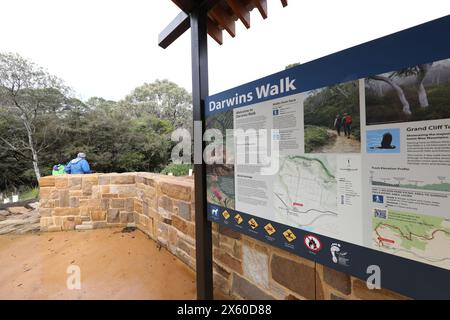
(348, 119)
(58, 169)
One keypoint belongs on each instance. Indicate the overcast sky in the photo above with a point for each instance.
(107, 48)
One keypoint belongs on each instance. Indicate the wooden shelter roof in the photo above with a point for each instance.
(222, 15)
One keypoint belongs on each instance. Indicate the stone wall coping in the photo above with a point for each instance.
(182, 180)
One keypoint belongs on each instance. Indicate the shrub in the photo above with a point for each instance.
(315, 137)
(177, 169)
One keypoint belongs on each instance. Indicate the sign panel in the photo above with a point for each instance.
(345, 160)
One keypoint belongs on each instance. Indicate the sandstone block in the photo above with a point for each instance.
(126, 217)
(117, 203)
(227, 261)
(53, 228)
(47, 182)
(113, 215)
(66, 211)
(69, 223)
(45, 192)
(184, 210)
(149, 182)
(136, 204)
(98, 215)
(61, 182)
(189, 249)
(64, 200)
(245, 289)
(337, 280)
(141, 220)
(91, 179)
(361, 291)
(84, 227)
(123, 179)
(221, 283)
(94, 203)
(175, 191)
(104, 180)
(229, 232)
(185, 258)
(105, 204)
(166, 203)
(100, 224)
(46, 221)
(298, 277)
(75, 183)
(183, 226)
(256, 266)
(75, 193)
(124, 190)
(223, 272)
(139, 179)
(162, 233)
(109, 195)
(74, 202)
(45, 212)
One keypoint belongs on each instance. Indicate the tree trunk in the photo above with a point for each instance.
(34, 154)
(398, 90)
(421, 92)
(37, 172)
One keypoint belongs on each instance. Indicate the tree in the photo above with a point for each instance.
(292, 65)
(163, 99)
(419, 72)
(398, 90)
(28, 94)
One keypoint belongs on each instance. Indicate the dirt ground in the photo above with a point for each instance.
(113, 265)
(340, 144)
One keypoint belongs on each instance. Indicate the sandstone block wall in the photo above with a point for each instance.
(163, 208)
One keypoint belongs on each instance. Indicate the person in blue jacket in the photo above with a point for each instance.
(79, 165)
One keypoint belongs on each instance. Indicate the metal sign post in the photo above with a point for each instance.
(203, 237)
(194, 14)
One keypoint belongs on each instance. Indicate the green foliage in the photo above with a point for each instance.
(29, 193)
(387, 107)
(315, 137)
(177, 169)
(163, 99)
(322, 105)
(128, 135)
(292, 65)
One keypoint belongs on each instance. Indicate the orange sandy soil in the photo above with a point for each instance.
(114, 265)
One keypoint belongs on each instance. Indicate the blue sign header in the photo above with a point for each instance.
(385, 54)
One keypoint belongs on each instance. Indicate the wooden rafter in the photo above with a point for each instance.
(224, 19)
(214, 31)
(222, 15)
(240, 11)
(262, 7)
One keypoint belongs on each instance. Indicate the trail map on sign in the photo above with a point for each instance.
(305, 190)
(414, 236)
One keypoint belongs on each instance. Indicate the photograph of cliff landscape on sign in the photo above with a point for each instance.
(416, 93)
(332, 122)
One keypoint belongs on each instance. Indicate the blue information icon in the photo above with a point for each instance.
(377, 198)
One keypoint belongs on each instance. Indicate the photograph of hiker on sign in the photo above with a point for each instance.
(332, 119)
